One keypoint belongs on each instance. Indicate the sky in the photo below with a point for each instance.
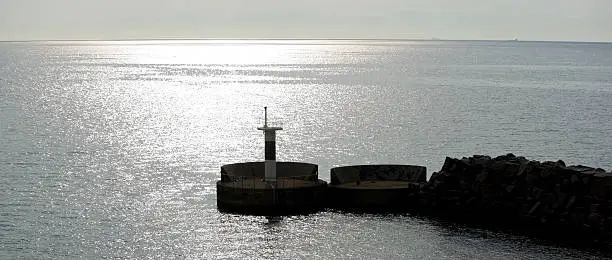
(544, 20)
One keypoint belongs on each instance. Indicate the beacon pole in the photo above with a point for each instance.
(270, 148)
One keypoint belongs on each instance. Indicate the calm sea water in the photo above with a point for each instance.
(112, 149)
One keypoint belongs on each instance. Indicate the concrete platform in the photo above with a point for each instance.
(375, 188)
(297, 189)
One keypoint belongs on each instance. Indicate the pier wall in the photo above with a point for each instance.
(388, 172)
(296, 190)
(294, 170)
(375, 188)
(282, 201)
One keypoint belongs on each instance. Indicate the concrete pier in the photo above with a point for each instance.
(270, 188)
(541, 199)
(376, 188)
(296, 189)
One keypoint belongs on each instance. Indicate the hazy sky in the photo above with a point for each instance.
(573, 20)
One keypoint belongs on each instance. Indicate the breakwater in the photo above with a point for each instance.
(548, 198)
(545, 198)
(296, 189)
(375, 188)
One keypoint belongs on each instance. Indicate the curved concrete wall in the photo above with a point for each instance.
(389, 172)
(372, 200)
(271, 202)
(306, 171)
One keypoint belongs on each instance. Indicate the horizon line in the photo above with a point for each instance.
(304, 39)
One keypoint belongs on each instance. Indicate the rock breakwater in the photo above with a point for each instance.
(544, 197)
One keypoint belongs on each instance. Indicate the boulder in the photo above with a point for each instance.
(546, 194)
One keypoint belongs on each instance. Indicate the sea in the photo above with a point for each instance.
(111, 149)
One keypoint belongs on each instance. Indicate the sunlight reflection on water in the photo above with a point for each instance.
(114, 149)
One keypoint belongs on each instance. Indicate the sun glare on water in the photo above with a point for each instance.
(211, 52)
(192, 101)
